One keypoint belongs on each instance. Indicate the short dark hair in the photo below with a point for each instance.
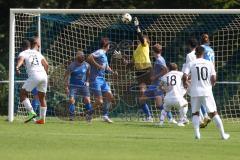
(193, 43)
(172, 66)
(157, 48)
(204, 38)
(199, 51)
(26, 44)
(33, 41)
(104, 42)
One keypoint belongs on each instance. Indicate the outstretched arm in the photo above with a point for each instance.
(139, 33)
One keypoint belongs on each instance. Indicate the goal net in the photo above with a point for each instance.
(63, 34)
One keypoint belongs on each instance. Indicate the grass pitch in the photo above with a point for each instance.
(59, 140)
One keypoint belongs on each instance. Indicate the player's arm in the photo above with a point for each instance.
(185, 80)
(109, 70)
(164, 70)
(87, 76)
(213, 76)
(45, 64)
(66, 80)
(139, 33)
(92, 61)
(19, 64)
(186, 72)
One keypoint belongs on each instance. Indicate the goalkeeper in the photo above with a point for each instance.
(142, 65)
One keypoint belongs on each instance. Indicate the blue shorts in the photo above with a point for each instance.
(35, 91)
(99, 86)
(79, 91)
(153, 91)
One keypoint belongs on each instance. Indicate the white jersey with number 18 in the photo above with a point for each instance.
(173, 82)
(201, 71)
(32, 60)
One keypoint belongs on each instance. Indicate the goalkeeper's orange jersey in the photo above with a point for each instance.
(141, 57)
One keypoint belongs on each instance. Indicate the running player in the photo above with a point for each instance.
(203, 77)
(98, 84)
(171, 83)
(36, 66)
(77, 84)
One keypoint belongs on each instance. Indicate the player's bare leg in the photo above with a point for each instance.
(43, 108)
(27, 104)
(216, 118)
(106, 105)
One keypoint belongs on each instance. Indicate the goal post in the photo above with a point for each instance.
(63, 31)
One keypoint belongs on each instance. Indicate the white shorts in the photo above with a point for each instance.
(179, 102)
(207, 101)
(37, 79)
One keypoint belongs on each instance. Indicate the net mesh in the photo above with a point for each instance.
(62, 35)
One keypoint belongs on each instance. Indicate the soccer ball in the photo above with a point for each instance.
(126, 18)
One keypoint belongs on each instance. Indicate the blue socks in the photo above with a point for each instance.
(146, 110)
(106, 106)
(89, 108)
(35, 104)
(169, 114)
(203, 110)
(71, 109)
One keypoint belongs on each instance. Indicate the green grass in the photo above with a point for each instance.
(119, 141)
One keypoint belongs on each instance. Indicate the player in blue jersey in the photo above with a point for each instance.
(208, 55)
(77, 84)
(153, 90)
(98, 84)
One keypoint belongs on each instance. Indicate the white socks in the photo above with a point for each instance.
(195, 121)
(183, 113)
(163, 115)
(27, 104)
(219, 124)
(43, 111)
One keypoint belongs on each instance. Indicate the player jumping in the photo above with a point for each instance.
(98, 83)
(77, 84)
(153, 91)
(37, 67)
(203, 77)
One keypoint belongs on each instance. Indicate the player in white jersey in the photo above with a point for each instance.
(171, 83)
(203, 77)
(36, 66)
(193, 44)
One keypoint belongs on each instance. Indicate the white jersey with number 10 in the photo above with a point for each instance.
(201, 71)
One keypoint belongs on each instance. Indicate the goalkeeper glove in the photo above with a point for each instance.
(117, 54)
(136, 22)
